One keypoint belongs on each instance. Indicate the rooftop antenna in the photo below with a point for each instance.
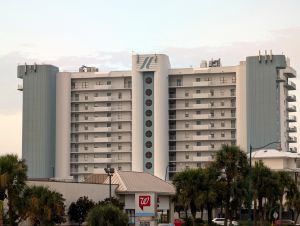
(259, 56)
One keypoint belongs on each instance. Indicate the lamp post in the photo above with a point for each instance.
(250, 177)
(110, 172)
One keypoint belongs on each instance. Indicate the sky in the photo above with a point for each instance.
(70, 33)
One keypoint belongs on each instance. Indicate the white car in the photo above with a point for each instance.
(220, 221)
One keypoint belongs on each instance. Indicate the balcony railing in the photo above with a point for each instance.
(291, 98)
(291, 85)
(292, 118)
(291, 108)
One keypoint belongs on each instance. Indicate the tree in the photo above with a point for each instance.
(262, 182)
(106, 215)
(286, 186)
(3, 185)
(78, 210)
(43, 206)
(187, 189)
(233, 165)
(15, 171)
(115, 201)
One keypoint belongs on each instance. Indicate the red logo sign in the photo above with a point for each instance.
(144, 200)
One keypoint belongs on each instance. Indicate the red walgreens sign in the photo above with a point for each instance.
(144, 200)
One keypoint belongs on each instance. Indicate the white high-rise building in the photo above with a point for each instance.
(153, 118)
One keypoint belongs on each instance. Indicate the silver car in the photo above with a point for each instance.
(220, 221)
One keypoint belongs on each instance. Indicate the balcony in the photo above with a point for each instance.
(202, 148)
(201, 95)
(102, 129)
(102, 139)
(102, 108)
(102, 160)
(202, 116)
(102, 119)
(292, 129)
(292, 118)
(203, 158)
(290, 85)
(202, 137)
(201, 127)
(105, 98)
(292, 139)
(291, 98)
(200, 106)
(20, 87)
(289, 72)
(293, 149)
(291, 108)
(100, 87)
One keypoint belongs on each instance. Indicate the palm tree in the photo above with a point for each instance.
(43, 206)
(233, 165)
(15, 170)
(3, 185)
(262, 182)
(187, 189)
(286, 187)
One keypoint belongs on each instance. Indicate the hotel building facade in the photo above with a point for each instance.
(152, 118)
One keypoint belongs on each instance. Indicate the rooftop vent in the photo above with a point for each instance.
(214, 63)
(84, 68)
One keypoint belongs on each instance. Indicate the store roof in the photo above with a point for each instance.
(273, 153)
(133, 182)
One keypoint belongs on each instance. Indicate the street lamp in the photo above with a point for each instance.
(250, 177)
(110, 172)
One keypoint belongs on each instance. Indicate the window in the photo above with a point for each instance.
(108, 156)
(222, 103)
(233, 79)
(198, 91)
(108, 145)
(212, 103)
(108, 94)
(187, 135)
(198, 133)
(212, 92)
(198, 153)
(108, 83)
(86, 117)
(212, 145)
(222, 113)
(198, 112)
(187, 146)
(85, 84)
(86, 168)
(108, 135)
(86, 127)
(98, 83)
(108, 104)
(187, 156)
(198, 122)
(186, 104)
(232, 92)
(212, 135)
(222, 92)
(222, 124)
(86, 136)
(120, 168)
(187, 125)
(86, 157)
(212, 124)
(120, 95)
(108, 165)
(222, 80)
(108, 114)
(178, 81)
(233, 134)
(198, 79)
(108, 124)
(119, 147)
(186, 93)
(119, 126)
(96, 94)
(86, 107)
(120, 137)
(222, 134)
(212, 114)
(198, 101)
(186, 114)
(86, 97)
(86, 148)
(198, 143)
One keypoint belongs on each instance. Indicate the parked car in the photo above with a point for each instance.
(165, 224)
(283, 222)
(220, 221)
